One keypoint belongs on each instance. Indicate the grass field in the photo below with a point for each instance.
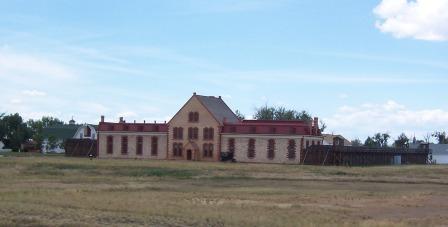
(60, 191)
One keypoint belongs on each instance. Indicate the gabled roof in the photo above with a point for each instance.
(60, 132)
(218, 108)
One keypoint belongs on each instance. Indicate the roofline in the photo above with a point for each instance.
(219, 122)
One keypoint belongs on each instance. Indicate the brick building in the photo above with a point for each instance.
(206, 129)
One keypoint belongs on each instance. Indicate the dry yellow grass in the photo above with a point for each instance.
(60, 191)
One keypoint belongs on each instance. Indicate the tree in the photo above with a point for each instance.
(280, 113)
(265, 113)
(402, 141)
(356, 142)
(13, 131)
(323, 126)
(38, 126)
(370, 142)
(441, 137)
(381, 139)
(240, 115)
(378, 140)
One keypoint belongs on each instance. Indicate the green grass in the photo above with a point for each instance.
(40, 190)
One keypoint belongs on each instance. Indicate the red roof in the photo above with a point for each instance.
(271, 127)
(133, 127)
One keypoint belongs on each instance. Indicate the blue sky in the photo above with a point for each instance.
(361, 66)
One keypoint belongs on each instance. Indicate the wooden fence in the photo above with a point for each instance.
(80, 148)
(363, 156)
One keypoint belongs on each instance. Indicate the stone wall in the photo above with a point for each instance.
(261, 147)
(205, 120)
(132, 145)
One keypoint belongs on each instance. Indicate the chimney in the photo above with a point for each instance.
(165, 122)
(316, 122)
(102, 118)
(134, 121)
(219, 97)
(144, 121)
(194, 93)
(121, 120)
(155, 122)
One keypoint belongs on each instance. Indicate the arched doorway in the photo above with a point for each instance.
(192, 151)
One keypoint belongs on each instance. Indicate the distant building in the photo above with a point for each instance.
(439, 152)
(329, 139)
(206, 129)
(55, 136)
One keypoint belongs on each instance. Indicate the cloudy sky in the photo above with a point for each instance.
(361, 66)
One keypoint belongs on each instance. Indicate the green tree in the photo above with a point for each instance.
(37, 127)
(280, 113)
(402, 141)
(356, 142)
(370, 142)
(441, 137)
(240, 115)
(13, 131)
(265, 113)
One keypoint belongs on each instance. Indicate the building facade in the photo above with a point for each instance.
(206, 129)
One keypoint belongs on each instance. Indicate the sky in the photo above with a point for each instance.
(360, 66)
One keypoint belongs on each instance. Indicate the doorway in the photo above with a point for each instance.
(189, 154)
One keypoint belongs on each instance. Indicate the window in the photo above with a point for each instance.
(251, 148)
(231, 145)
(271, 149)
(210, 150)
(110, 144)
(178, 133)
(193, 117)
(291, 149)
(139, 145)
(193, 133)
(196, 117)
(177, 149)
(207, 149)
(208, 133)
(87, 132)
(154, 146)
(124, 145)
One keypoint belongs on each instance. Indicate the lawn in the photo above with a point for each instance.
(59, 191)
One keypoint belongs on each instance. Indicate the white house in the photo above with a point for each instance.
(54, 137)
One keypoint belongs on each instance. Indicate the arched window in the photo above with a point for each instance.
(195, 133)
(193, 117)
(205, 133)
(271, 149)
(291, 149)
(251, 148)
(139, 145)
(196, 117)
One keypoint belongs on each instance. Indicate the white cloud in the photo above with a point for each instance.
(419, 19)
(34, 93)
(367, 119)
(29, 69)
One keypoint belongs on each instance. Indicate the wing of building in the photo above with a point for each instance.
(206, 129)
